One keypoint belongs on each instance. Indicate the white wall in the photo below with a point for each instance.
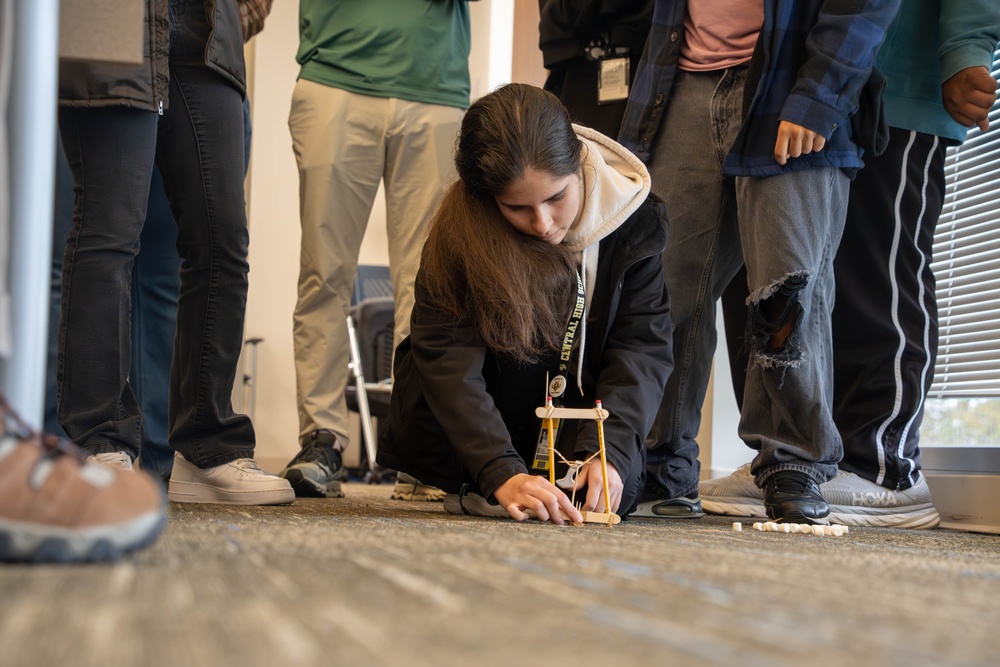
(722, 450)
(272, 192)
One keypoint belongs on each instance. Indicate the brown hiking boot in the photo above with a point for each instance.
(56, 508)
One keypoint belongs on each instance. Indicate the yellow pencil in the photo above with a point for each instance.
(604, 464)
(552, 444)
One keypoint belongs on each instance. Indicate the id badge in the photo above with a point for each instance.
(541, 459)
(612, 82)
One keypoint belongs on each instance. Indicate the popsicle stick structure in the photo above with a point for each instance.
(548, 413)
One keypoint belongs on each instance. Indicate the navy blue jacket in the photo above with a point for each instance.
(810, 67)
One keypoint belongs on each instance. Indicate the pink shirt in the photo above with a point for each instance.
(720, 33)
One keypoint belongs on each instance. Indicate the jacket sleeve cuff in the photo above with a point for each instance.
(499, 471)
(812, 115)
(616, 457)
(965, 56)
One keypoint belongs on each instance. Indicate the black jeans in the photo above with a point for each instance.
(197, 145)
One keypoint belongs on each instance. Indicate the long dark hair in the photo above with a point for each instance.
(515, 289)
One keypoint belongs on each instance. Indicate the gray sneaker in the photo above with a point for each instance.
(734, 495)
(410, 488)
(854, 501)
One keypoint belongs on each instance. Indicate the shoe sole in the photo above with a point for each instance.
(304, 487)
(192, 492)
(30, 543)
(674, 508)
(733, 507)
(795, 516)
(918, 517)
(410, 492)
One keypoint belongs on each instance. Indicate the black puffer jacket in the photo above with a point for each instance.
(146, 87)
(457, 407)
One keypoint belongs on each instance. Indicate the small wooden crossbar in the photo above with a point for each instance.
(572, 413)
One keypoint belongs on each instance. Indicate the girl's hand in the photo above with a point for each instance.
(795, 140)
(531, 492)
(590, 475)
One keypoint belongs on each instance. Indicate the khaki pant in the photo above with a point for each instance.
(345, 144)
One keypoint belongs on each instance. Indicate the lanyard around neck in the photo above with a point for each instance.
(557, 385)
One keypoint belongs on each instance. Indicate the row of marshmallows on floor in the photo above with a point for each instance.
(836, 530)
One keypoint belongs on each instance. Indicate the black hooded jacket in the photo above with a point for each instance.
(459, 413)
(566, 26)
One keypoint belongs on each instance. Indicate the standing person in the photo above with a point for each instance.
(885, 325)
(591, 49)
(744, 110)
(53, 507)
(181, 111)
(380, 97)
(543, 210)
(155, 283)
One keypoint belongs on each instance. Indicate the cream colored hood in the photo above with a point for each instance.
(615, 183)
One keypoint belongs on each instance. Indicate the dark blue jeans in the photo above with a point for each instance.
(198, 148)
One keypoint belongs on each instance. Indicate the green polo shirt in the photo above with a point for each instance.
(415, 50)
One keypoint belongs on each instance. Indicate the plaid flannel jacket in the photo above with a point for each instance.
(252, 15)
(812, 61)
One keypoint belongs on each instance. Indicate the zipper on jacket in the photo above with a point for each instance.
(159, 107)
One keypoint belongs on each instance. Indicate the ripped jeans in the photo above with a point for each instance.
(787, 229)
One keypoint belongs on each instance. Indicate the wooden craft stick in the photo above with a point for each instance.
(596, 517)
(572, 413)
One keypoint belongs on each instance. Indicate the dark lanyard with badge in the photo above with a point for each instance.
(613, 72)
(559, 381)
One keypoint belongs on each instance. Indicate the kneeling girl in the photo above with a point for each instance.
(544, 215)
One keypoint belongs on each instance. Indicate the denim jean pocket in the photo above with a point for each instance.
(188, 32)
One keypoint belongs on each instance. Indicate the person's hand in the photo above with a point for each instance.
(590, 475)
(531, 492)
(795, 140)
(969, 95)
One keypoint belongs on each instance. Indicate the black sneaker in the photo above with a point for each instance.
(793, 496)
(313, 472)
(681, 507)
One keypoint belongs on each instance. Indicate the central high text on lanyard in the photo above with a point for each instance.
(557, 386)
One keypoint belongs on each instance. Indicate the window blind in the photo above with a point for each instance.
(967, 266)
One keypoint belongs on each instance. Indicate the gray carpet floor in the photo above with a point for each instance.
(365, 580)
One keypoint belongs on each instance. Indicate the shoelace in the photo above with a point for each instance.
(248, 464)
(15, 427)
(323, 455)
(52, 446)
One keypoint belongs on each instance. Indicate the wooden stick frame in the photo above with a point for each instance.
(548, 413)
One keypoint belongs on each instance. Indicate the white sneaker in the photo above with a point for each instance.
(854, 501)
(734, 495)
(239, 482)
(116, 460)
